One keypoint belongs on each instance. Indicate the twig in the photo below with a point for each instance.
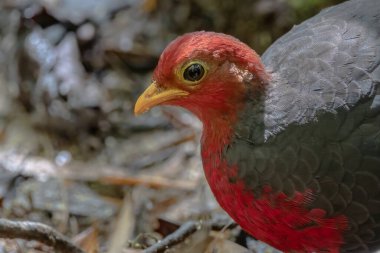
(174, 238)
(184, 231)
(220, 224)
(150, 181)
(39, 232)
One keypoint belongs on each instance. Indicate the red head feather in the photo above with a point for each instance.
(234, 71)
(208, 45)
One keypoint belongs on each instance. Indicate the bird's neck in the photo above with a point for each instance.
(217, 133)
(244, 120)
(219, 118)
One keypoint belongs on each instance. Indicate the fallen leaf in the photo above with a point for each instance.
(88, 239)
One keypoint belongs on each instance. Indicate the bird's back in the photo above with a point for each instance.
(329, 62)
(318, 125)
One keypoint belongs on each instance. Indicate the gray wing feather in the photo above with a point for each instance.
(318, 125)
(327, 63)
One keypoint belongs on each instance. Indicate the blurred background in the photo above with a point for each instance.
(72, 154)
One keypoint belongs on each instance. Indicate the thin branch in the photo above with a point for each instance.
(175, 238)
(186, 230)
(39, 232)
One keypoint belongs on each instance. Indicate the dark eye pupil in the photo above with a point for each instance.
(194, 72)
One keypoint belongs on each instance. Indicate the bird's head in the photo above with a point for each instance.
(210, 74)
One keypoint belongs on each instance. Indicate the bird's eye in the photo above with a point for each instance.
(194, 72)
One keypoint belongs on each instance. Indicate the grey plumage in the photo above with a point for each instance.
(317, 126)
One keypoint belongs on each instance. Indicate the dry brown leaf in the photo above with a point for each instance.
(124, 226)
(149, 5)
(88, 239)
(220, 245)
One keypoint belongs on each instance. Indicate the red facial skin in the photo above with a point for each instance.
(216, 101)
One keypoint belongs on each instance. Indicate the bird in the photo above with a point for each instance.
(290, 144)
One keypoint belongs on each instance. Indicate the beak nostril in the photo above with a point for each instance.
(153, 90)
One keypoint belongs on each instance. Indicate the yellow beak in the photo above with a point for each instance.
(155, 95)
